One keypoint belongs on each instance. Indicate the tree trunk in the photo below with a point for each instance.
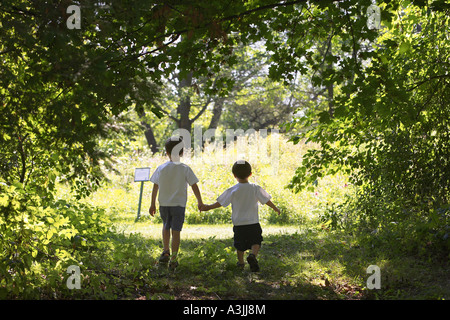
(184, 107)
(330, 86)
(217, 112)
(149, 135)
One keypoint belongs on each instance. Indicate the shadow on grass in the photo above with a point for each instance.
(308, 264)
(291, 268)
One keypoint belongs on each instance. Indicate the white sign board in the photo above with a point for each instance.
(142, 174)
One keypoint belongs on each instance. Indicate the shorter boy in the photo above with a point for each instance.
(171, 180)
(244, 198)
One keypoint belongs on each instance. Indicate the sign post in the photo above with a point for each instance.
(141, 175)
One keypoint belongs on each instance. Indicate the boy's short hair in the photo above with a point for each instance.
(172, 142)
(242, 169)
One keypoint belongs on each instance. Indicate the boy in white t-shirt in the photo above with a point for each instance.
(244, 198)
(171, 180)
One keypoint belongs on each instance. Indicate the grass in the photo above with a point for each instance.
(296, 263)
(301, 258)
(288, 269)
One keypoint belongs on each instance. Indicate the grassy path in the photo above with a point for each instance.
(299, 260)
(295, 264)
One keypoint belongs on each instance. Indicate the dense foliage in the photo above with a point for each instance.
(390, 126)
(375, 102)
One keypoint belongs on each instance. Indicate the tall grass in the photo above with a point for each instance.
(273, 164)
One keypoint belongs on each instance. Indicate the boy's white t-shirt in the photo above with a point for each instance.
(244, 199)
(172, 179)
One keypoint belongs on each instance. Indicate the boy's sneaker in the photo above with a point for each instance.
(240, 266)
(165, 256)
(254, 266)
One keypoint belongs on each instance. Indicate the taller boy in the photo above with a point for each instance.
(171, 179)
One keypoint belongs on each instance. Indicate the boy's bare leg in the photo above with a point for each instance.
(166, 238)
(240, 255)
(175, 243)
(255, 249)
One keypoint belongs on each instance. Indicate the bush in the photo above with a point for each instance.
(39, 240)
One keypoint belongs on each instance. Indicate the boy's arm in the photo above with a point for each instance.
(274, 207)
(197, 194)
(152, 209)
(207, 207)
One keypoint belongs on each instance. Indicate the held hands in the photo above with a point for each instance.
(206, 207)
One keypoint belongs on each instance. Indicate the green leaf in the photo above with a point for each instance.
(324, 117)
(405, 47)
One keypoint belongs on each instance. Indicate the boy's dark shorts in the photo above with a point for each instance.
(246, 236)
(172, 217)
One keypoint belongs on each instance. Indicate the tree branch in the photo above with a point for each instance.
(202, 110)
(418, 84)
(166, 112)
(178, 33)
(268, 6)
